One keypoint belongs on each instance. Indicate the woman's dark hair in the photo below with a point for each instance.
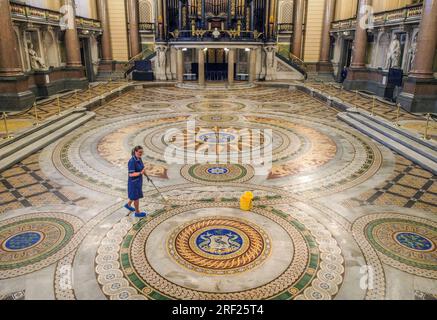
(136, 149)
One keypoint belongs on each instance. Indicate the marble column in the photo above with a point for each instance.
(419, 92)
(164, 18)
(360, 41)
(107, 63)
(102, 7)
(201, 55)
(252, 65)
(358, 76)
(10, 64)
(71, 37)
(426, 42)
(159, 19)
(231, 66)
(180, 65)
(298, 27)
(14, 87)
(134, 32)
(328, 17)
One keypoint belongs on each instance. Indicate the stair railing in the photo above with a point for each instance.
(294, 62)
(129, 66)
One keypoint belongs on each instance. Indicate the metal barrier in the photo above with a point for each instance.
(37, 117)
(428, 117)
(5, 123)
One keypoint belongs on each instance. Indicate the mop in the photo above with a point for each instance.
(156, 188)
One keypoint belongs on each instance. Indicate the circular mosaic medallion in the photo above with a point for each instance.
(414, 241)
(216, 106)
(216, 174)
(219, 245)
(29, 241)
(23, 241)
(214, 137)
(220, 257)
(407, 243)
(330, 156)
(217, 118)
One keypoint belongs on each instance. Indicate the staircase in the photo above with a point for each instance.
(406, 143)
(294, 63)
(32, 140)
(129, 67)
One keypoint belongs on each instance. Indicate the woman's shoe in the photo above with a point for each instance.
(128, 207)
(141, 215)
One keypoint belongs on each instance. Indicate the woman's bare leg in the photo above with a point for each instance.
(137, 206)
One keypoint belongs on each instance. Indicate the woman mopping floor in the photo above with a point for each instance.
(135, 182)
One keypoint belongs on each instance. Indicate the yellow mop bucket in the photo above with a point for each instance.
(246, 201)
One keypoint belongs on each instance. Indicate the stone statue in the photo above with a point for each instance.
(216, 33)
(394, 54)
(413, 51)
(36, 62)
(270, 62)
(161, 65)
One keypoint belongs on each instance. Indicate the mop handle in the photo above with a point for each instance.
(151, 181)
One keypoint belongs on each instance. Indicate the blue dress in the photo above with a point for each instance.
(135, 184)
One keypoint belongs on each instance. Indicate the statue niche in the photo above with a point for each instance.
(394, 54)
(36, 62)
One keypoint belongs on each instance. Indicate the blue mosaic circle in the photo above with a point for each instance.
(218, 170)
(219, 242)
(414, 241)
(23, 241)
(214, 137)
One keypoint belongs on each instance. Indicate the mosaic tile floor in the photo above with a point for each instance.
(336, 215)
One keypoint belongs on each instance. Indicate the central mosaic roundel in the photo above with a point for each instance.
(219, 242)
(218, 170)
(217, 118)
(414, 241)
(23, 241)
(212, 174)
(214, 137)
(213, 105)
(219, 245)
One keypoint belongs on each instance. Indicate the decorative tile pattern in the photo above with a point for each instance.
(284, 249)
(25, 186)
(315, 271)
(28, 243)
(404, 242)
(219, 245)
(409, 186)
(332, 157)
